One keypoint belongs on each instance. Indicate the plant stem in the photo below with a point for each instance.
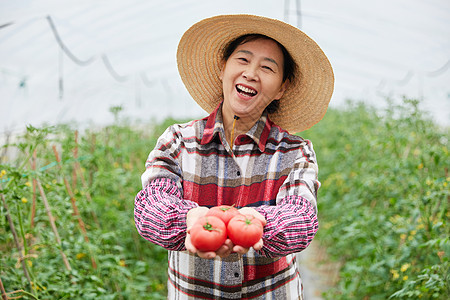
(74, 206)
(16, 239)
(53, 225)
(33, 207)
(22, 231)
(23, 292)
(2, 289)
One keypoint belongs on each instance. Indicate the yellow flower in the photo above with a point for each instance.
(36, 287)
(80, 255)
(29, 263)
(2, 173)
(24, 200)
(420, 166)
(405, 277)
(122, 263)
(405, 267)
(413, 232)
(445, 184)
(395, 274)
(28, 183)
(403, 236)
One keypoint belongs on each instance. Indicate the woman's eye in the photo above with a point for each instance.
(243, 59)
(267, 68)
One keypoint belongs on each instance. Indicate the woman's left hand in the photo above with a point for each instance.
(192, 217)
(259, 244)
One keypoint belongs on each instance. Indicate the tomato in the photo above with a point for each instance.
(245, 230)
(208, 233)
(224, 212)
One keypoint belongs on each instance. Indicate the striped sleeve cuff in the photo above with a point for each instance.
(160, 214)
(291, 226)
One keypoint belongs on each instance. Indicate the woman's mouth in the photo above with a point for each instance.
(245, 91)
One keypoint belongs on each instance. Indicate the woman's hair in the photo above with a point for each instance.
(289, 65)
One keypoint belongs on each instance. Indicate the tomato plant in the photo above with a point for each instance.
(245, 230)
(208, 233)
(224, 212)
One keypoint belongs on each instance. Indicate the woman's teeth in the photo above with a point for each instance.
(245, 90)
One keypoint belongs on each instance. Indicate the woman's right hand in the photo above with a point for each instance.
(192, 216)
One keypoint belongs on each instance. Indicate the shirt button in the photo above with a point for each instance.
(238, 173)
(236, 274)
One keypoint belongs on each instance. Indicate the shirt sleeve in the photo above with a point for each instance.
(160, 214)
(159, 209)
(292, 223)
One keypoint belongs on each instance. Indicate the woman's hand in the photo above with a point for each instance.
(228, 247)
(259, 244)
(192, 216)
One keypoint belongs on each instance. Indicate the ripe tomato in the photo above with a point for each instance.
(245, 230)
(208, 233)
(224, 212)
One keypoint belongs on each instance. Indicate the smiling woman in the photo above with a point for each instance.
(252, 78)
(235, 66)
(288, 63)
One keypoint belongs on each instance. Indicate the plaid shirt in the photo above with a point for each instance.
(269, 169)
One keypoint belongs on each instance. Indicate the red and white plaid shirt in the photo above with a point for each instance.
(269, 169)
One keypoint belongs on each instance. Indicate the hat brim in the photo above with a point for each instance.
(199, 59)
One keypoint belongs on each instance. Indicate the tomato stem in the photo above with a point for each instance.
(225, 208)
(209, 227)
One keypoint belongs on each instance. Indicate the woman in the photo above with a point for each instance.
(259, 79)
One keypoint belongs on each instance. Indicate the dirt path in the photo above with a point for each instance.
(317, 274)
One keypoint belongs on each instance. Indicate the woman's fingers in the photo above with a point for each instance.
(194, 214)
(226, 249)
(253, 212)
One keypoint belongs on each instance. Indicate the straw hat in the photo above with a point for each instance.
(199, 58)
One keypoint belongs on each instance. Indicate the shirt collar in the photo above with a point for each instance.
(259, 133)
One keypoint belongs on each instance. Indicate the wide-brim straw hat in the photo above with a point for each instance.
(199, 59)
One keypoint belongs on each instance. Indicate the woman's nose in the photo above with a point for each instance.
(250, 73)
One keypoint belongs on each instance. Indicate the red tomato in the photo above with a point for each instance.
(245, 230)
(208, 233)
(224, 212)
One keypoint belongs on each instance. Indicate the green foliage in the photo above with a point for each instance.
(110, 260)
(383, 208)
(384, 201)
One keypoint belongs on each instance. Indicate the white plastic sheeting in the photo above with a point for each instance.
(123, 53)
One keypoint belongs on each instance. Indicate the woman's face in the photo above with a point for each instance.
(252, 77)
